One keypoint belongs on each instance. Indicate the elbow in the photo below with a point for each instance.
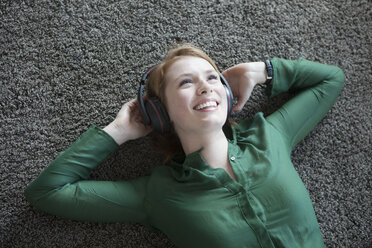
(338, 77)
(33, 194)
(29, 194)
(36, 198)
(335, 80)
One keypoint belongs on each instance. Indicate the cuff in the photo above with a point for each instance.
(273, 88)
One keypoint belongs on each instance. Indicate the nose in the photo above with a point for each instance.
(204, 87)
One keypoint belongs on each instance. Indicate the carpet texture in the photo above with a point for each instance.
(68, 64)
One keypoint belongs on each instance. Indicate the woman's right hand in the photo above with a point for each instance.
(128, 124)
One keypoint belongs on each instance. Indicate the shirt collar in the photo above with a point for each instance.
(194, 159)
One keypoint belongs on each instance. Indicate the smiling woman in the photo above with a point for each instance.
(191, 83)
(188, 74)
(228, 186)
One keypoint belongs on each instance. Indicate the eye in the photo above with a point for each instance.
(185, 81)
(212, 77)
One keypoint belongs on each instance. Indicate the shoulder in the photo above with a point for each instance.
(162, 175)
(247, 127)
(256, 131)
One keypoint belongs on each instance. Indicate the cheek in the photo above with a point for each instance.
(177, 105)
(182, 101)
(223, 94)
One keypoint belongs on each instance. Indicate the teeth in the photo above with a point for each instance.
(206, 104)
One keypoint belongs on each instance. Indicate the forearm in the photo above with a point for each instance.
(301, 74)
(319, 86)
(74, 164)
(62, 188)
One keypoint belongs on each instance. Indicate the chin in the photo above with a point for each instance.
(212, 124)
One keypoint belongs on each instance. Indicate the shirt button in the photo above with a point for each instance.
(232, 158)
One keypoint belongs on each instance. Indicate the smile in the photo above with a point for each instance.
(206, 105)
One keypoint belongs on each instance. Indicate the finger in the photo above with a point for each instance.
(242, 100)
(133, 106)
(138, 119)
(238, 107)
(137, 116)
(225, 74)
(132, 102)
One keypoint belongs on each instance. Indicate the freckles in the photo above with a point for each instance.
(183, 101)
(176, 109)
(180, 109)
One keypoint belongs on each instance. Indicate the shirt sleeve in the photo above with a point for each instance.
(62, 188)
(318, 84)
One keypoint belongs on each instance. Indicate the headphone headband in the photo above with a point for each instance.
(145, 75)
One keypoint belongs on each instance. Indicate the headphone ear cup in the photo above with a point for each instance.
(158, 115)
(229, 95)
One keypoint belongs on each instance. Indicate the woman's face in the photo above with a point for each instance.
(194, 96)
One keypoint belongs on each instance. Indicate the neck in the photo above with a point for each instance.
(215, 146)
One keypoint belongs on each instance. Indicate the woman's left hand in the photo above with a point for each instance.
(242, 78)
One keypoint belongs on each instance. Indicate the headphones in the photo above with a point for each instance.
(154, 113)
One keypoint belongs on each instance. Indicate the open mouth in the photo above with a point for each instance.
(206, 105)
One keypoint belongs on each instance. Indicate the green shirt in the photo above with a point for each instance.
(194, 204)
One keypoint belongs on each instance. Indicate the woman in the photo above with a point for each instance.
(226, 186)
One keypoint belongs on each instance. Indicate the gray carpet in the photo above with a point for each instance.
(68, 64)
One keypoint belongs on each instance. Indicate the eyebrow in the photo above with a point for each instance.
(190, 74)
